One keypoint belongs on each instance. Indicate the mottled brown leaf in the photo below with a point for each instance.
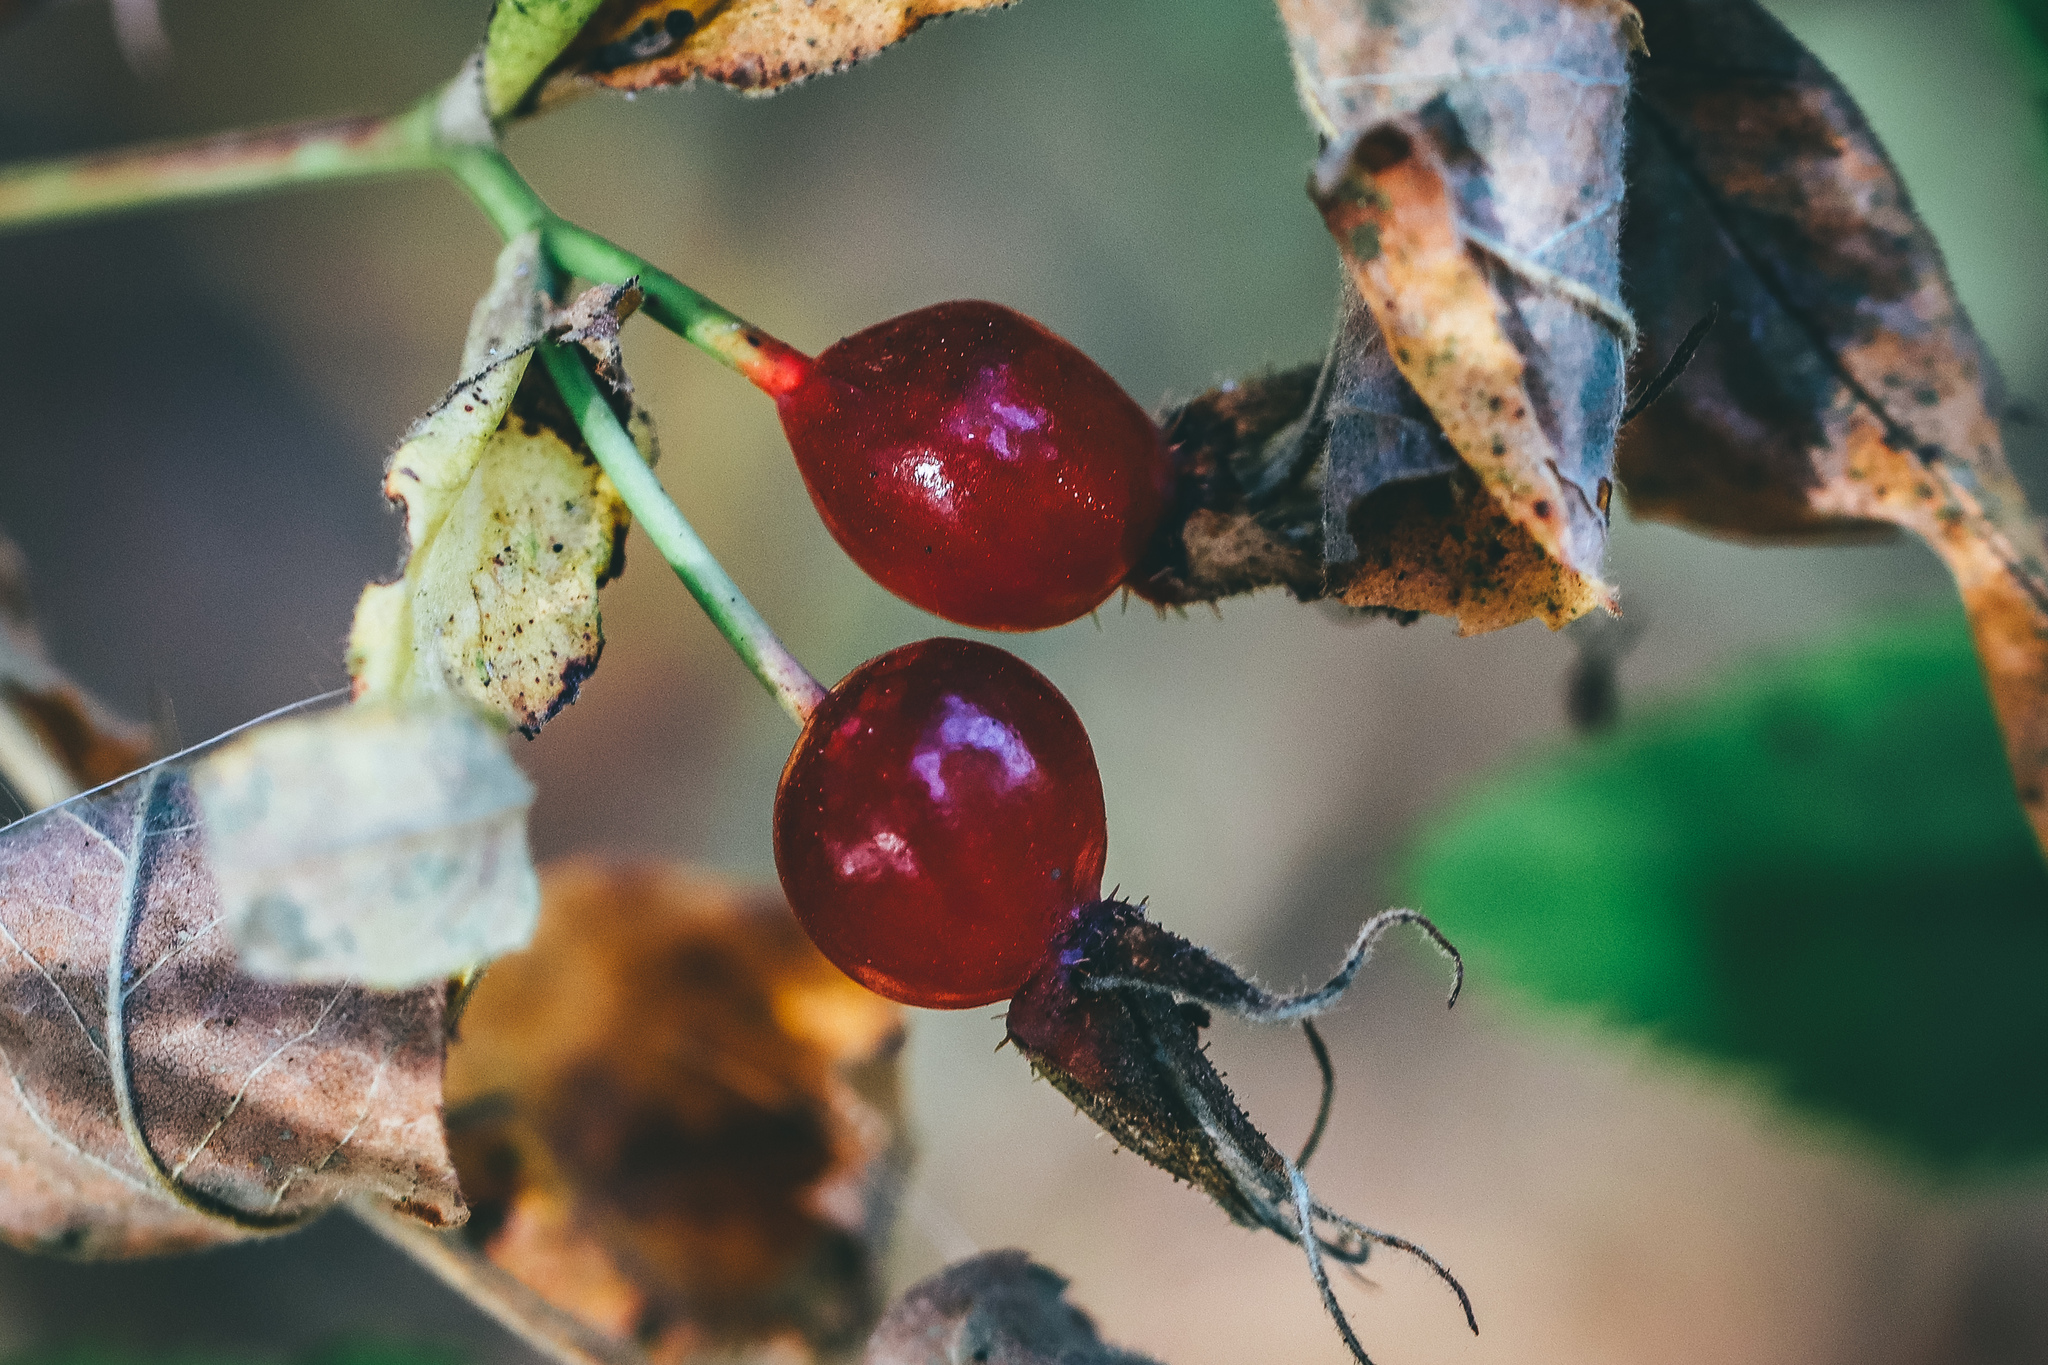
(157, 1098)
(55, 739)
(1473, 185)
(999, 1308)
(676, 1120)
(1843, 388)
(753, 45)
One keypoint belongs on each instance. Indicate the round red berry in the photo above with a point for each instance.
(939, 822)
(977, 465)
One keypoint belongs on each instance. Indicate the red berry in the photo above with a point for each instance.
(939, 821)
(977, 465)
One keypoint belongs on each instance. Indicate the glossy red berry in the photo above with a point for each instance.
(977, 465)
(938, 823)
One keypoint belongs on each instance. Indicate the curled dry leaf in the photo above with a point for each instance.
(753, 45)
(1473, 184)
(370, 843)
(1845, 389)
(158, 1098)
(999, 1308)
(511, 528)
(55, 739)
(677, 1121)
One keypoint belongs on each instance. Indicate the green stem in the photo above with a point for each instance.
(769, 364)
(308, 153)
(708, 582)
(448, 132)
(514, 207)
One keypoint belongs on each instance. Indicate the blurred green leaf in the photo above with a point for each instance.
(523, 38)
(2026, 24)
(1818, 871)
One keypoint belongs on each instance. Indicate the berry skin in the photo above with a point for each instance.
(939, 821)
(977, 465)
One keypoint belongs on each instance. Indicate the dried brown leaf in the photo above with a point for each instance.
(161, 1099)
(998, 1308)
(55, 739)
(753, 45)
(1473, 184)
(1845, 388)
(676, 1120)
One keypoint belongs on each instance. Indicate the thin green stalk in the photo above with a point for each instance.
(514, 207)
(448, 132)
(308, 153)
(771, 365)
(742, 626)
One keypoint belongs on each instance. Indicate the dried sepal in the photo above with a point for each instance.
(678, 1122)
(1113, 1021)
(592, 320)
(1279, 486)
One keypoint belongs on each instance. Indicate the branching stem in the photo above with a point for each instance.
(708, 582)
(446, 132)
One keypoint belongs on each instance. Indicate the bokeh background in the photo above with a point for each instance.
(195, 407)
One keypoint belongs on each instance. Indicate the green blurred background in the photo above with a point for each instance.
(197, 405)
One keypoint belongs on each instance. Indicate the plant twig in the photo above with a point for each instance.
(513, 207)
(558, 1335)
(743, 627)
(308, 153)
(449, 132)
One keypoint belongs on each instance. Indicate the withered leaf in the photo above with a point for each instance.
(511, 527)
(1845, 388)
(371, 843)
(157, 1097)
(677, 1121)
(753, 45)
(999, 1308)
(1473, 184)
(55, 739)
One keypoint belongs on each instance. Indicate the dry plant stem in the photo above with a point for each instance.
(308, 153)
(743, 627)
(546, 1328)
